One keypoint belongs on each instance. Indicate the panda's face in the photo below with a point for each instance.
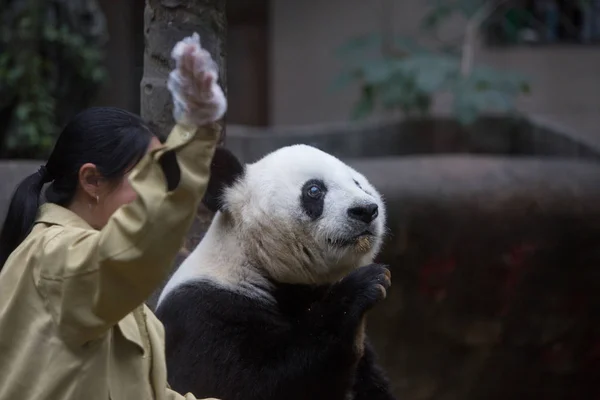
(306, 215)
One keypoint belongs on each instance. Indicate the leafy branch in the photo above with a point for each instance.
(49, 66)
(398, 73)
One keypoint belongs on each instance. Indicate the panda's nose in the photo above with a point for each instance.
(365, 213)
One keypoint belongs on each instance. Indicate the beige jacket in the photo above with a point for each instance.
(73, 325)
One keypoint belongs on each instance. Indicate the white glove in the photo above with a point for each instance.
(197, 98)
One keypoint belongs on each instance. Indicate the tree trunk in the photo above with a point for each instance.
(165, 23)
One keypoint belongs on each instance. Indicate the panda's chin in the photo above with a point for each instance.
(361, 243)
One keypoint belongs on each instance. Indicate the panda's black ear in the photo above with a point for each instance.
(224, 170)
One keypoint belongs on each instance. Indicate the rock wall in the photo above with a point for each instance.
(399, 137)
(494, 277)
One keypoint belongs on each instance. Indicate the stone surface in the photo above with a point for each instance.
(396, 137)
(165, 23)
(494, 277)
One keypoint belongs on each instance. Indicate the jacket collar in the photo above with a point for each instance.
(53, 214)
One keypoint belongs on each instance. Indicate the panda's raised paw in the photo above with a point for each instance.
(363, 288)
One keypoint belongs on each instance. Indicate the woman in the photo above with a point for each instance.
(77, 270)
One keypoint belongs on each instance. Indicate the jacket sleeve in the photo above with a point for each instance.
(92, 279)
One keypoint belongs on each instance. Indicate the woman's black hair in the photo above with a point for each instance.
(111, 138)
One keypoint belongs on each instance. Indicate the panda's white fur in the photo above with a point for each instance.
(264, 225)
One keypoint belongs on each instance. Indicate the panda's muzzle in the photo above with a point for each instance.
(361, 218)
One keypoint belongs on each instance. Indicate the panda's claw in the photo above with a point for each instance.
(362, 289)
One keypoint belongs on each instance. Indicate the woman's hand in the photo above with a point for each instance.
(197, 98)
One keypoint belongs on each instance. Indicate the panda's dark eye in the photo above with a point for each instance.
(314, 191)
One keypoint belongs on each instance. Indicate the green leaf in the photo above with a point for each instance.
(525, 88)
(392, 95)
(365, 104)
(378, 72)
(435, 73)
(344, 79)
(22, 111)
(25, 22)
(397, 91)
(15, 74)
(98, 75)
(423, 104)
(485, 78)
(482, 85)
(430, 80)
(50, 33)
(401, 92)
(466, 113)
(465, 106)
(29, 131)
(408, 45)
(5, 59)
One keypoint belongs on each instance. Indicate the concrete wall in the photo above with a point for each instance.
(486, 255)
(402, 137)
(304, 34)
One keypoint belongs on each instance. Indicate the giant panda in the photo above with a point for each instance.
(271, 304)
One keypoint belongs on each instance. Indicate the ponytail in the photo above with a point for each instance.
(21, 213)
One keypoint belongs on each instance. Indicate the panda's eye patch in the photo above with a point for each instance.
(312, 198)
(314, 191)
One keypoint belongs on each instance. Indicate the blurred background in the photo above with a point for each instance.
(477, 120)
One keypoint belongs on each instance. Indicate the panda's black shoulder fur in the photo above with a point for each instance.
(226, 344)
